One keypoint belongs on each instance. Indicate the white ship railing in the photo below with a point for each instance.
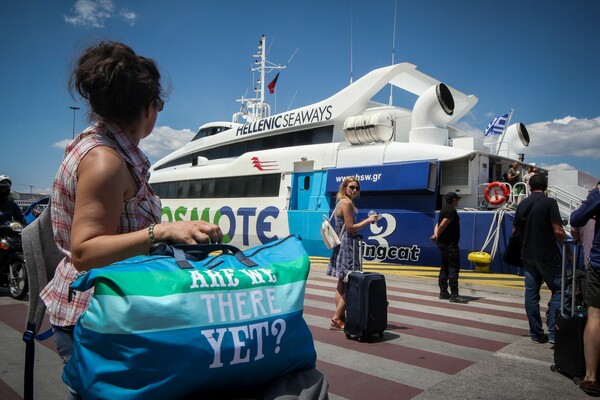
(567, 201)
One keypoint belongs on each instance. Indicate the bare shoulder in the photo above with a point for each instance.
(346, 206)
(102, 158)
(344, 203)
(103, 167)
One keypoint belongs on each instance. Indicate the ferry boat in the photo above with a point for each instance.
(261, 177)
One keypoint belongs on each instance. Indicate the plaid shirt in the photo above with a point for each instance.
(138, 213)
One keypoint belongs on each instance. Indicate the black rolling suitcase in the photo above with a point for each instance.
(366, 302)
(570, 323)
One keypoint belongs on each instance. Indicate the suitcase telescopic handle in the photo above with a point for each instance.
(563, 277)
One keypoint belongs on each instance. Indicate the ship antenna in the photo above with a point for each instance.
(393, 49)
(291, 101)
(257, 108)
(350, 41)
(290, 60)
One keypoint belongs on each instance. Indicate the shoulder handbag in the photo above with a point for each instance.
(512, 252)
(181, 321)
(330, 237)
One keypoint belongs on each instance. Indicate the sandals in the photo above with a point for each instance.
(336, 325)
(590, 387)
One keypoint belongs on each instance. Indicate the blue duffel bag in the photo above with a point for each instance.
(165, 326)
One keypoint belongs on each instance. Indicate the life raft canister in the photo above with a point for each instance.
(497, 198)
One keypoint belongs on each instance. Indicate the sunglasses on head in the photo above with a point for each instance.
(159, 105)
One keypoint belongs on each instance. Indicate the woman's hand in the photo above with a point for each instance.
(188, 232)
(372, 218)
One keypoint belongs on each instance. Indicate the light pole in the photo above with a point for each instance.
(74, 111)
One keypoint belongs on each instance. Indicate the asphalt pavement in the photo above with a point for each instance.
(432, 349)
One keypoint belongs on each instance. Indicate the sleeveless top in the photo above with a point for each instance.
(137, 213)
(345, 257)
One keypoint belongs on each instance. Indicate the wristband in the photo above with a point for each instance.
(151, 233)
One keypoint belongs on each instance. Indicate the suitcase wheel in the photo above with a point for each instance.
(553, 368)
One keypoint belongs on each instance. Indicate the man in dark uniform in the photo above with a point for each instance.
(540, 232)
(446, 234)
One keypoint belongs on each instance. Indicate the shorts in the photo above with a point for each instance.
(592, 288)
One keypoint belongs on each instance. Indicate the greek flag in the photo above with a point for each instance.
(496, 126)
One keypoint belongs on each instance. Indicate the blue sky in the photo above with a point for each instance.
(540, 58)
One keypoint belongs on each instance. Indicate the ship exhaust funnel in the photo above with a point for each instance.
(515, 140)
(430, 114)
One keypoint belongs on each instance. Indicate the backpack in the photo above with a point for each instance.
(42, 256)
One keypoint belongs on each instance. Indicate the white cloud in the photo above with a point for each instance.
(557, 167)
(564, 137)
(62, 144)
(164, 140)
(568, 136)
(128, 16)
(94, 13)
(91, 13)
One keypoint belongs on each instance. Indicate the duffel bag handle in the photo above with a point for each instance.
(184, 253)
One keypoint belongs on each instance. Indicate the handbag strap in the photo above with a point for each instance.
(334, 209)
(526, 213)
(333, 213)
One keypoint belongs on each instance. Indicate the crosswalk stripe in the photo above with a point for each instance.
(354, 384)
(427, 339)
(381, 367)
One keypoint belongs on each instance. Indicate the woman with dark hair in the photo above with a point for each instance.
(345, 257)
(103, 209)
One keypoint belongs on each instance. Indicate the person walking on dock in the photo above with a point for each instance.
(541, 229)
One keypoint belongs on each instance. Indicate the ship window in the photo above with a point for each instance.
(306, 182)
(195, 189)
(319, 135)
(208, 186)
(232, 187)
(172, 189)
(183, 187)
(213, 130)
(223, 188)
(254, 190)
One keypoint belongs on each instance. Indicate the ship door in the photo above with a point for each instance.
(301, 193)
(302, 186)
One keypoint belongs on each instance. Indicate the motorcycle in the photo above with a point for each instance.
(13, 273)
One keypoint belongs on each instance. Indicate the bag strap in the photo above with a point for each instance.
(184, 253)
(526, 213)
(333, 213)
(334, 209)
